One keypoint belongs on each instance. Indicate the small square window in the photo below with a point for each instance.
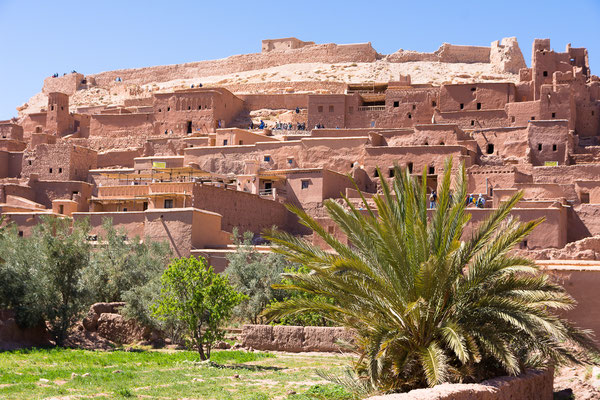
(391, 172)
(60, 170)
(409, 115)
(330, 108)
(290, 160)
(396, 104)
(21, 233)
(168, 203)
(533, 118)
(433, 103)
(305, 183)
(320, 108)
(50, 170)
(431, 170)
(29, 162)
(545, 73)
(241, 142)
(473, 89)
(159, 110)
(267, 158)
(224, 142)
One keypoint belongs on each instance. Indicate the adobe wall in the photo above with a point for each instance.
(482, 179)
(60, 161)
(326, 53)
(121, 158)
(11, 131)
(131, 222)
(47, 191)
(532, 385)
(283, 44)
(451, 53)
(287, 101)
(239, 209)
(295, 339)
(121, 125)
(4, 164)
(548, 141)
(67, 84)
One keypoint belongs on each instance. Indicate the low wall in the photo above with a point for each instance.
(533, 385)
(295, 339)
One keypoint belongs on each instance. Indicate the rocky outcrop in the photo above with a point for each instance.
(104, 318)
(533, 385)
(295, 339)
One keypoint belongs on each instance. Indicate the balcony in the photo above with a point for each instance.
(371, 108)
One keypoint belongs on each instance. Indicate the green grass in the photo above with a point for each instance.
(167, 375)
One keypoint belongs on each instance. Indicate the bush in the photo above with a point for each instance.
(199, 299)
(253, 274)
(119, 265)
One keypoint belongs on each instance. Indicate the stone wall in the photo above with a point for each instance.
(533, 385)
(295, 339)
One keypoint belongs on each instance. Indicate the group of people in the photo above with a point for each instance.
(55, 75)
(479, 202)
(193, 86)
(300, 126)
(319, 126)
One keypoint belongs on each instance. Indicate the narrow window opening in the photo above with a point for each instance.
(396, 104)
(144, 206)
(462, 106)
(391, 173)
(410, 167)
(124, 208)
(433, 103)
(539, 147)
(241, 142)
(199, 107)
(224, 142)
(376, 174)
(490, 148)
(159, 110)
(545, 73)
(472, 122)
(61, 209)
(168, 203)
(189, 127)
(553, 115)
(60, 170)
(585, 197)
(50, 170)
(512, 119)
(533, 118)
(21, 233)
(554, 147)
(305, 183)
(189, 107)
(330, 108)
(431, 170)
(479, 106)
(168, 108)
(29, 162)
(414, 107)
(409, 115)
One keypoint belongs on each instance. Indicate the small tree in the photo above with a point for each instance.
(65, 256)
(199, 298)
(253, 274)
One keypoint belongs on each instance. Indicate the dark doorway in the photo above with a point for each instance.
(189, 127)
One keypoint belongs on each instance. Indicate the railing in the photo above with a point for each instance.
(371, 108)
(171, 187)
(122, 191)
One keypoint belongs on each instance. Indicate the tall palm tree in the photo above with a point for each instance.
(427, 306)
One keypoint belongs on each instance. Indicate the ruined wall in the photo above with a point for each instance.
(60, 161)
(67, 84)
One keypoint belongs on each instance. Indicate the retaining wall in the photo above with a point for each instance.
(295, 339)
(533, 385)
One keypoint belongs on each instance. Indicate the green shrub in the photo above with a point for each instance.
(199, 299)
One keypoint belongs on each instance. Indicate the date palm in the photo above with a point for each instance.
(430, 302)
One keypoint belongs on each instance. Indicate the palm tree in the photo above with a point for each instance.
(426, 306)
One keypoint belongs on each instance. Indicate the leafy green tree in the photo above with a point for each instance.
(200, 299)
(428, 307)
(253, 274)
(66, 252)
(120, 265)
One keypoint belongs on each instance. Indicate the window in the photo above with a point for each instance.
(539, 147)
(74, 192)
(267, 158)
(473, 89)
(29, 162)
(21, 233)
(391, 173)
(330, 229)
(479, 106)
(532, 118)
(592, 113)
(490, 148)
(168, 108)
(168, 203)
(124, 208)
(159, 110)
(60, 170)
(414, 106)
(545, 73)
(350, 110)
(224, 142)
(472, 122)
(512, 119)
(62, 108)
(50, 170)
(145, 206)
(320, 108)
(410, 167)
(61, 209)
(554, 147)
(51, 108)
(241, 142)
(462, 106)
(376, 174)
(491, 191)
(409, 115)
(524, 244)
(431, 170)
(189, 107)
(199, 107)
(330, 108)
(305, 183)
(396, 104)
(189, 127)
(585, 197)
(290, 161)
(553, 115)
(433, 103)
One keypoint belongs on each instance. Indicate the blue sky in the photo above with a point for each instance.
(39, 38)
